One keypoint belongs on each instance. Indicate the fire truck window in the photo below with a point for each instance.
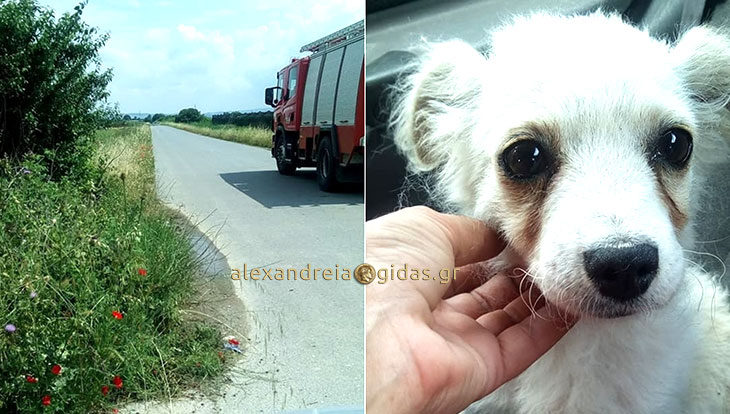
(293, 81)
(310, 90)
(280, 84)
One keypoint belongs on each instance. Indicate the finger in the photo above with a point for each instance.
(471, 240)
(513, 313)
(425, 239)
(506, 355)
(468, 278)
(523, 343)
(496, 293)
(468, 241)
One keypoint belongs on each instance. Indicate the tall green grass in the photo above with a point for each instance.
(260, 137)
(73, 254)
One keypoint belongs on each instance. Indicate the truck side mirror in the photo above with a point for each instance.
(269, 98)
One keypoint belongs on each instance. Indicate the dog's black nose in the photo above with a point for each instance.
(622, 273)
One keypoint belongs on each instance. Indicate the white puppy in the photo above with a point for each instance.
(576, 137)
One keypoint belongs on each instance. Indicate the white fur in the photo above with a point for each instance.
(607, 86)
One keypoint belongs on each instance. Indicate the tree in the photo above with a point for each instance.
(254, 119)
(109, 116)
(52, 84)
(188, 115)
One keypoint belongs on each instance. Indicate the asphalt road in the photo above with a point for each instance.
(306, 347)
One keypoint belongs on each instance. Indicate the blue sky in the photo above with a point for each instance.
(215, 55)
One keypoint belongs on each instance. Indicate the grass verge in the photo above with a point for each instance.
(260, 137)
(95, 274)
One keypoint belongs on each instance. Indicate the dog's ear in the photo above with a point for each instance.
(436, 103)
(702, 59)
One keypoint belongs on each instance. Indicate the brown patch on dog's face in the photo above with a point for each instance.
(524, 198)
(674, 197)
(672, 183)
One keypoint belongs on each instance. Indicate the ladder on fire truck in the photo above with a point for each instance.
(349, 32)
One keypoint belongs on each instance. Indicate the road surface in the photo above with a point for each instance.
(306, 347)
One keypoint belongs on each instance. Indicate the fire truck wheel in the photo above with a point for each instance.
(284, 166)
(326, 174)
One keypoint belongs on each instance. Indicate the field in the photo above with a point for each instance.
(96, 276)
(259, 137)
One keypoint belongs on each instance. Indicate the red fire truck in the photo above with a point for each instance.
(319, 109)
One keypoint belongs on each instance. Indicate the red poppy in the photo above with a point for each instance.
(117, 315)
(233, 341)
(142, 272)
(117, 381)
(46, 400)
(104, 390)
(56, 369)
(31, 379)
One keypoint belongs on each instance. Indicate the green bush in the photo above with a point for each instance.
(51, 83)
(70, 259)
(188, 115)
(157, 117)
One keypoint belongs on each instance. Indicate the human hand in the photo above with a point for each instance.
(437, 347)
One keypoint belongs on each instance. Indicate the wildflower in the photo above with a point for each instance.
(105, 390)
(33, 294)
(115, 411)
(56, 370)
(46, 400)
(117, 381)
(142, 272)
(117, 315)
(25, 171)
(10, 328)
(31, 379)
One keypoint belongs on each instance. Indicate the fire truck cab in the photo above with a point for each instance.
(319, 110)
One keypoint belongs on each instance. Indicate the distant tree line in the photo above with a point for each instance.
(192, 115)
(253, 119)
(158, 118)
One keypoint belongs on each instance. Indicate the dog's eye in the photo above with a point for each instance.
(524, 159)
(674, 147)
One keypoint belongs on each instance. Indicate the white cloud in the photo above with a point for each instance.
(190, 32)
(158, 35)
(214, 55)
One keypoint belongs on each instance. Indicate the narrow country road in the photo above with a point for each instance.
(306, 337)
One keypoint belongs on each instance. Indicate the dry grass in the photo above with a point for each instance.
(259, 137)
(127, 151)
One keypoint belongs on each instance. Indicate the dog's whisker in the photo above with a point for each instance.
(721, 239)
(714, 256)
(529, 302)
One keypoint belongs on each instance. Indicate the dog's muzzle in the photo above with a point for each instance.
(622, 273)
